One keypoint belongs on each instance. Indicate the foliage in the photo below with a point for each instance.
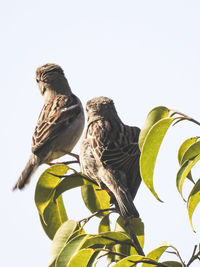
(72, 246)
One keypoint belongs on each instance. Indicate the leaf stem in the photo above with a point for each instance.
(185, 117)
(178, 255)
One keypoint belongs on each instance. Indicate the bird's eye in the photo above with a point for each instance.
(37, 80)
(43, 90)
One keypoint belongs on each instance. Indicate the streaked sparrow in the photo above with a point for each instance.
(109, 154)
(60, 123)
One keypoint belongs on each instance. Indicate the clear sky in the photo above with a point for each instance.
(139, 53)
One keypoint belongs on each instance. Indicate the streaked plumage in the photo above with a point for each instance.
(110, 154)
(60, 123)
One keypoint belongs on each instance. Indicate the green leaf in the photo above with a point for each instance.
(95, 199)
(138, 227)
(70, 249)
(150, 150)
(94, 259)
(107, 238)
(80, 231)
(121, 248)
(183, 172)
(173, 263)
(54, 216)
(182, 150)
(104, 225)
(191, 152)
(60, 239)
(128, 261)
(46, 185)
(184, 147)
(81, 258)
(154, 116)
(67, 183)
(155, 255)
(193, 201)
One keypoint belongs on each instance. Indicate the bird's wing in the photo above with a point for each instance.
(114, 144)
(53, 117)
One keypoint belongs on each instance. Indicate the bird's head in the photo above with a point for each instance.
(102, 106)
(50, 75)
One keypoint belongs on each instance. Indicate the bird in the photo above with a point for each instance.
(109, 154)
(60, 123)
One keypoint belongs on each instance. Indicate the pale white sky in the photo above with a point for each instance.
(141, 54)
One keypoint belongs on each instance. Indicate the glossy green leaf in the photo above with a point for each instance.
(191, 152)
(95, 199)
(155, 255)
(60, 239)
(67, 183)
(54, 216)
(184, 147)
(70, 249)
(173, 263)
(138, 227)
(94, 259)
(46, 185)
(154, 116)
(150, 150)
(107, 238)
(193, 201)
(121, 248)
(128, 261)
(104, 225)
(111, 257)
(183, 172)
(81, 258)
(80, 231)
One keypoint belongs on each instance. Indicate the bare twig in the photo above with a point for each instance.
(109, 252)
(178, 255)
(85, 220)
(65, 162)
(194, 256)
(74, 155)
(148, 261)
(70, 162)
(75, 175)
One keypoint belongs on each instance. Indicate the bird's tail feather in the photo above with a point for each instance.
(27, 173)
(125, 203)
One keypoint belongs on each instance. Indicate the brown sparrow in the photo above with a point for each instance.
(109, 154)
(60, 123)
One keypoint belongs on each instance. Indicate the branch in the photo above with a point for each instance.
(109, 252)
(65, 162)
(149, 261)
(85, 220)
(194, 256)
(75, 175)
(178, 255)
